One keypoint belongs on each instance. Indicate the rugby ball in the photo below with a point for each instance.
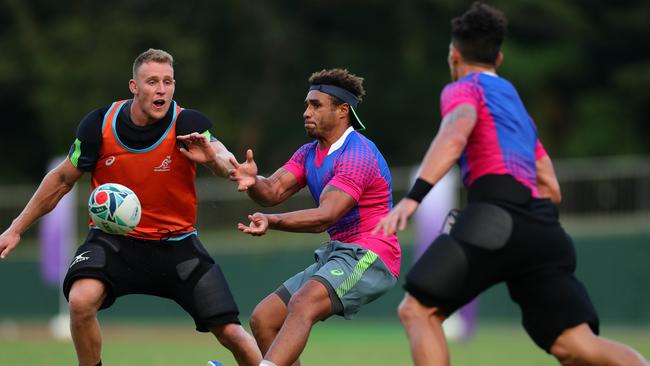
(114, 209)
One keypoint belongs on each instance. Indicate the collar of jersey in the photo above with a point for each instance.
(337, 145)
(117, 137)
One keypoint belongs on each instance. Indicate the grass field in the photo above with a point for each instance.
(334, 342)
(619, 288)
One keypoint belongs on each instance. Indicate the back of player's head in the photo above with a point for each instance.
(341, 78)
(152, 55)
(479, 32)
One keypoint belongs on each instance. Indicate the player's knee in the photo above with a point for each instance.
(562, 354)
(575, 347)
(258, 322)
(228, 333)
(572, 355)
(406, 312)
(410, 311)
(85, 298)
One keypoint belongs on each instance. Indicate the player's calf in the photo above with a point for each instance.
(579, 346)
(239, 342)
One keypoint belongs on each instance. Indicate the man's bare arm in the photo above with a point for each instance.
(274, 189)
(334, 204)
(449, 143)
(53, 187)
(547, 183)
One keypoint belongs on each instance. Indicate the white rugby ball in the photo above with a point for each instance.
(114, 208)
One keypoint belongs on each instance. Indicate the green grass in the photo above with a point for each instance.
(333, 342)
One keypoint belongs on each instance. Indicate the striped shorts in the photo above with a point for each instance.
(353, 274)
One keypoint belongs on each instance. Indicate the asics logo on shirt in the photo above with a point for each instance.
(109, 161)
(164, 166)
(80, 258)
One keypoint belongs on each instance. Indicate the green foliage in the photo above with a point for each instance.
(580, 67)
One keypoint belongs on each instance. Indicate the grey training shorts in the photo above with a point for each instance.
(353, 275)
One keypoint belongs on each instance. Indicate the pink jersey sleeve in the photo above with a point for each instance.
(354, 171)
(457, 93)
(296, 165)
(540, 152)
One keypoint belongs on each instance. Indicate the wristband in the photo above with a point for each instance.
(419, 190)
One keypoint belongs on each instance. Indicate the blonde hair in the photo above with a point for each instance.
(152, 55)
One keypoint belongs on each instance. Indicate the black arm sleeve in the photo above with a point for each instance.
(84, 151)
(190, 120)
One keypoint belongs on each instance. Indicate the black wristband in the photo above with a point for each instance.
(419, 190)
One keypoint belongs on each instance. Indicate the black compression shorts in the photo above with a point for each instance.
(537, 263)
(182, 271)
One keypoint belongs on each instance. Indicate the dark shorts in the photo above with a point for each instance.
(182, 271)
(536, 260)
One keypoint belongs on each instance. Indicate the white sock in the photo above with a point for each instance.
(267, 363)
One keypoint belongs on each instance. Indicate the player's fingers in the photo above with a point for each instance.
(244, 228)
(184, 152)
(5, 253)
(389, 228)
(402, 222)
(249, 156)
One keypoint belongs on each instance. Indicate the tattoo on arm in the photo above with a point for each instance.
(330, 188)
(463, 111)
(275, 178)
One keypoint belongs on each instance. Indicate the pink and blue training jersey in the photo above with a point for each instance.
(504, 139)
(354, 165)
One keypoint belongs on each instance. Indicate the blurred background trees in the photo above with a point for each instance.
(582, 68)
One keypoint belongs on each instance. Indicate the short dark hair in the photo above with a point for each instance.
(479, 32)
(152, 55)
(341, 78)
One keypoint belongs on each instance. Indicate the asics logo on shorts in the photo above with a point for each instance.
(80, 258)
(337, 272)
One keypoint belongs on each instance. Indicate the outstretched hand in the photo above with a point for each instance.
(197, 147)
(244, 174)
(258, 225)
(397, 217)
(8, 241)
